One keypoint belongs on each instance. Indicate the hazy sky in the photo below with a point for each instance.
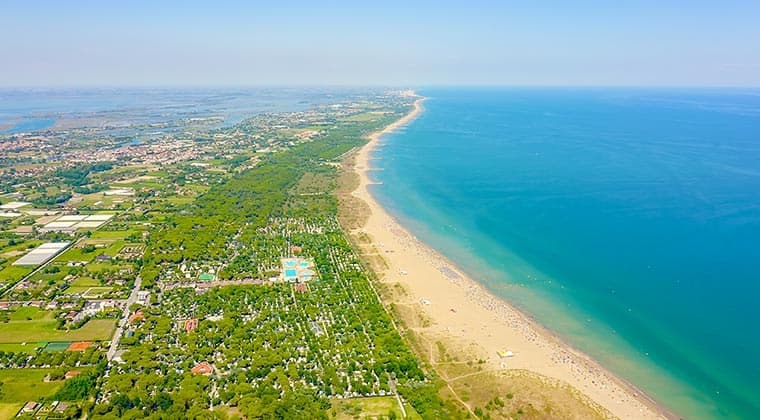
(414, 43)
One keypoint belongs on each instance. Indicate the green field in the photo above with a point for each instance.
(8, 410)
(98, 267)
(87, 290)
(19, 348)
(30, 313)
(76, 290)
(85, 282)
(43, 277)
(78, 254)
(371, 407)
(114, 248)
(21, 385)
(112, 234)
(179, 200)
(35, 331)
(14, 273)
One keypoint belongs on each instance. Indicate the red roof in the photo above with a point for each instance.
(203, 368)
(191, 324)
(136, 316)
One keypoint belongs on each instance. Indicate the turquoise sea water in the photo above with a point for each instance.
(626, 220)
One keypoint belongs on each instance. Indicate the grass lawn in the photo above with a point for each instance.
(85, 281)
(114, 248)
(178, 200)
(112, 234)
(13, 273)
(98, 267)
(30, 313)
(8, 410)
(99, 290)
(21, 385)
(372, 407)
(18, 348)
(23, 246)
(34, 331)
(42, 277)
(76, 290)
(89, 291)
(78, 254)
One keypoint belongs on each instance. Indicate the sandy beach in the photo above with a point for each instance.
(459, 308)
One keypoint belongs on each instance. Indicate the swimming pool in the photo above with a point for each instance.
(290, 273)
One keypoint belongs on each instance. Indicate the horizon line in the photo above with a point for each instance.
(369, 86)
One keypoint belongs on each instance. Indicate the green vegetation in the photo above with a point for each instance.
(372, 407)
(79, 387)
(21, 385)
(29, 348)
(44, 330)
(274, 349)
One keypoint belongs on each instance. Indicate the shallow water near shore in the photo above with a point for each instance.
(624, 220)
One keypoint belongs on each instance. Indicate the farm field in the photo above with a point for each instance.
(19, 348)
(44, 330)
(371, 407)
(21, 385)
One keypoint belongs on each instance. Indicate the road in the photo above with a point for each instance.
(124, 319)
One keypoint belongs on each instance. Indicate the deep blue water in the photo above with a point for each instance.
(626, 220)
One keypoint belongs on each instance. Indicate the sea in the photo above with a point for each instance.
(625, 220)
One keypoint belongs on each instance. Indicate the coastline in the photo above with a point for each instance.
(462, 310)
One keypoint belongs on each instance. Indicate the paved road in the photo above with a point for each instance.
(124, 319)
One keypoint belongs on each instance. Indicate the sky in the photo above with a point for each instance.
(380, 43)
